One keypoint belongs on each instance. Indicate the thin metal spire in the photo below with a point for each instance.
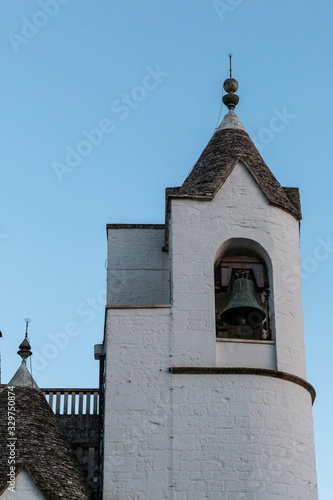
(25, 348)
(27, 321)
(230, 70)
(231, 86)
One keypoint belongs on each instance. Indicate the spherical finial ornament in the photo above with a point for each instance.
(230, 85)
(230, 99)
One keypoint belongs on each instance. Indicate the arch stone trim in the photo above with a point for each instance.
(263, 372)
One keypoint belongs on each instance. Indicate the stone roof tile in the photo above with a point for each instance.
(229, 145)
(224, 150)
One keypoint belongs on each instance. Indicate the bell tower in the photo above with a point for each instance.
(206, 391)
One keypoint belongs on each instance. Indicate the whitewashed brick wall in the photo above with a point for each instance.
(138, 404)
(199, 229)
(196, 437)
(25, 489)
(242, 437)
(138, 271)
(188, 437)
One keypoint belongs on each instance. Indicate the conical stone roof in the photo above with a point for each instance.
(41, 448)
(229, 145)
(23, 378)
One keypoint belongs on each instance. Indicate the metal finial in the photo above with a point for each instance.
(25, 347)
(27, 321)
(230, 71)
(230, 86)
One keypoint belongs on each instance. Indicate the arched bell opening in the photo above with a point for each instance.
(242, 293)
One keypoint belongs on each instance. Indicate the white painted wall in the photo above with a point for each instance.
(195, 437)
(137, 268)
(245, 354)
(199, 229)
(232, 437)
(25, 489)
(242, 437)
(138, 404)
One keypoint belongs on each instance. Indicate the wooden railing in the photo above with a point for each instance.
(73, 401)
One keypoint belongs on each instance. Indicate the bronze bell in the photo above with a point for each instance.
(243, 307)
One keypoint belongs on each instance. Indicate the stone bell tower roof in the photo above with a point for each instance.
(229, 145)
(41, 448)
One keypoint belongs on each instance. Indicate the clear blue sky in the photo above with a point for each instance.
(69, 74)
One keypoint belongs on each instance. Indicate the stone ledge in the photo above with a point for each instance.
(263, 372)
(147, 306)
(246, 341)
(135, 226)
